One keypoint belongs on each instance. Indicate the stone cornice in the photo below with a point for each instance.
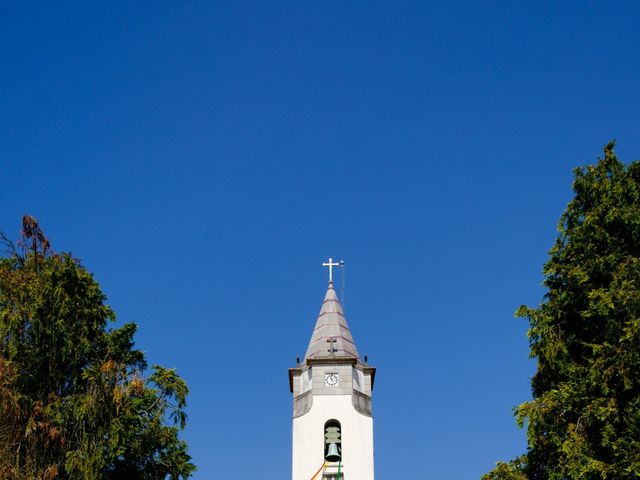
(332, 360)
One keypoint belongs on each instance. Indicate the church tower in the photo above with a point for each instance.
(332, 421)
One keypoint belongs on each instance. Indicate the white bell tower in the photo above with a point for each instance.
(332, 421)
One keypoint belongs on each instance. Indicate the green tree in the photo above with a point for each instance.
(74, 402)
(584, 419)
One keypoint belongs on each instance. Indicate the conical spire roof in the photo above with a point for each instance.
(331, 324)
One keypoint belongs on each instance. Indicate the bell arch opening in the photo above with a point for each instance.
(332, 441)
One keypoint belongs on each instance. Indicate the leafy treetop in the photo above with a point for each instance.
(584, 419)
(74, 401)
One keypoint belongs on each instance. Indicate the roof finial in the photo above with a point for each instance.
(330, 264)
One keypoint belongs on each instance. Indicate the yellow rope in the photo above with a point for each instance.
(319, 470)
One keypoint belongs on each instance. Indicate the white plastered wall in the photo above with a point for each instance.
(357, 438)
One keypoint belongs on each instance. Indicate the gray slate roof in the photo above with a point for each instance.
(331, 324)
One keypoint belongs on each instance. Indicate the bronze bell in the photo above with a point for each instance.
(333, 454)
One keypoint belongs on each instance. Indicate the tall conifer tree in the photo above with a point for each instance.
(74, 402)
(584, 419)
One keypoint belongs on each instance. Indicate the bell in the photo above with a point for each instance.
(333, 455)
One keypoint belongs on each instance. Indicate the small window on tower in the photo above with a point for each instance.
(332, 441)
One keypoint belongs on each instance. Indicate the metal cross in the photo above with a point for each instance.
(331, 341)
(330, 264)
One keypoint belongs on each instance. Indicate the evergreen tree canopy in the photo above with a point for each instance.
(584, 419)
(74, 403)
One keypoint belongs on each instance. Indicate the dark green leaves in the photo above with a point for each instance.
(74, 402)
(584, 419)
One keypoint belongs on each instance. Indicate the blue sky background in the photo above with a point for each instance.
(203, 159)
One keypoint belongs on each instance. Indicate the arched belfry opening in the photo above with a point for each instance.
(332, 441)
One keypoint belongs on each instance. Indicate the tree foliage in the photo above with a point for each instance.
(584, 419)
(74, 402)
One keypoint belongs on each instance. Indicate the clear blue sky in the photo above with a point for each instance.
(203, 159)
